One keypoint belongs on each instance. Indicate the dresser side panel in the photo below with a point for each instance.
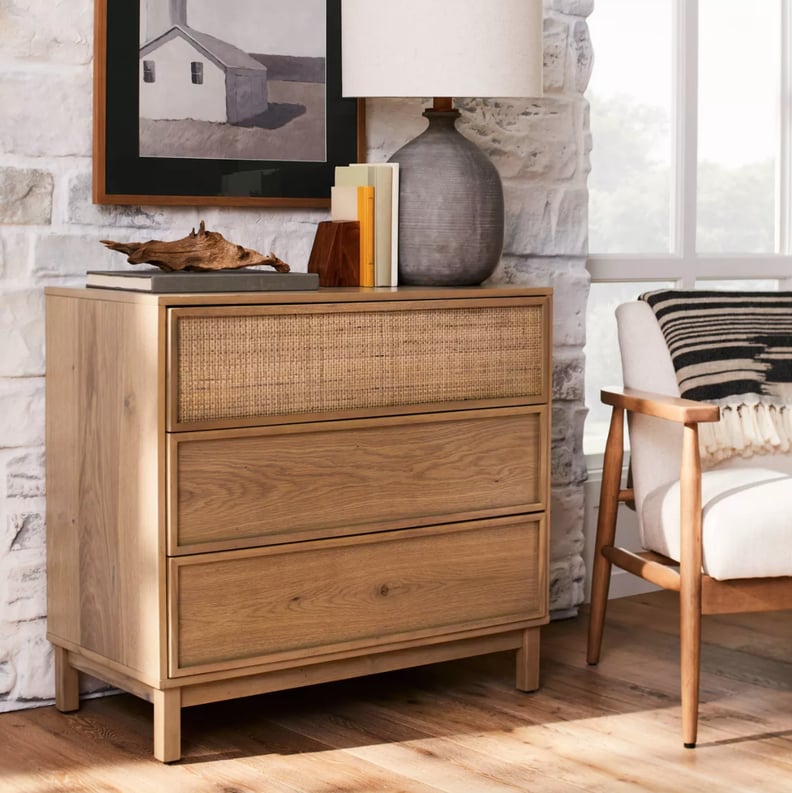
(105, 419)
(62, 459)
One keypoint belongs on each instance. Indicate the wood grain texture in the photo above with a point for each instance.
(661, 406)
(457, 727)
(335, 255)
(334, 478)
(105, 522)
(406, 533)
(606, 531)
(336, 295)
(698, 594)
(238, 608)
(67, 683)
(200, 251)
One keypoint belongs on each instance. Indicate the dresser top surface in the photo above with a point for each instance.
(321, 295)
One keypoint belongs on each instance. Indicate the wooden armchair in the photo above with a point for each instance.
(721, 536)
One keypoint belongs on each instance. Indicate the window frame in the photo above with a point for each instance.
(684, 265)
(197, 72)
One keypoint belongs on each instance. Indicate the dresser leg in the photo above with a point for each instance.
(528, 661)
(67, 683)
(167, 724)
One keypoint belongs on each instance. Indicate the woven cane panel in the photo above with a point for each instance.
(240, 366)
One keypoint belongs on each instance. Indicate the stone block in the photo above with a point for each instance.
(545, 221)
(33, 661)
(80, 210)
(390, 123)
(582, 55)
(52, 113)
(60, 255)
(25, 476)
(570, 282)
(7, 669)
(570, 296)
(567, 584)
(22, 331)
(15, 253)
(581, 8)
(25, 196)
(57, 31)
(566, 517)
(26, 589)
(25, 532)
(528, 140)
(567, 463)
(556, 47)
(26, 585)
(21, 412)
(568, 376)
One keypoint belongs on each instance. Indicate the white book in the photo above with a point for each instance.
(343, 202)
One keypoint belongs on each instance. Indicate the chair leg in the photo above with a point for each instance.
(690, 583)
(690, 663)
(606, 533)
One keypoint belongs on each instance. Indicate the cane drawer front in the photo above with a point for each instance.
(243, 365)
(263, 485)
(354, 595)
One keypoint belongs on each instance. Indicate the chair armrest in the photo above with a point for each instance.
(682, 411)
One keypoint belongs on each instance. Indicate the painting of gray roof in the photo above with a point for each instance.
(225, 54)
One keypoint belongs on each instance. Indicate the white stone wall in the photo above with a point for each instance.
(49, 232)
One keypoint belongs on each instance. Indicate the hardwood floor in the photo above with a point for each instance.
(457, 727)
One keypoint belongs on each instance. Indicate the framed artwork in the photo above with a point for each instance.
(220, 102)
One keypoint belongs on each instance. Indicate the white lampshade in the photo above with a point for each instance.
(418, 48)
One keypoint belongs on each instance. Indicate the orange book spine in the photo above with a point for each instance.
(366, 219)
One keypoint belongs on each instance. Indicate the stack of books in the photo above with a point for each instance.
(358, 246)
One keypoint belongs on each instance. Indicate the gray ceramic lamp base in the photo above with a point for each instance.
(450, 208)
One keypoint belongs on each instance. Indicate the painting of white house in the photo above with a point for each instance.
(233, 79)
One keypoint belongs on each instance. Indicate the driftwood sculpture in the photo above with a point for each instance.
(201, 250)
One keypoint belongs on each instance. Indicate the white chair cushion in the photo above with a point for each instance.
(747, 522)
(646, 365)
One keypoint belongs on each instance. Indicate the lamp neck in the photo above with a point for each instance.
(443, 104)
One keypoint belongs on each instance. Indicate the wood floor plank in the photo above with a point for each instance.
(769, 638)
(457, 727)
(587, 747)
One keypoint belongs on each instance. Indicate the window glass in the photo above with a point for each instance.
(630, 96)
(149, 72)
(739, 70)
(196, 71)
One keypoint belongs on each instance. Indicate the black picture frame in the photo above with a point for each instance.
(122, 176)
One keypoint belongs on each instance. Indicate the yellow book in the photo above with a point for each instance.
(385, 178)
(356, 202)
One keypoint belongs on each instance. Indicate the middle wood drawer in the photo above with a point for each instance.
(266, 485)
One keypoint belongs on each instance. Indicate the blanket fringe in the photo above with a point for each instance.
(748, 427)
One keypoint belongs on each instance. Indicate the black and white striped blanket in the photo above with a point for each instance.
(733, 349)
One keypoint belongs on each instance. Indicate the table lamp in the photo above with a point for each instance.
(451, 196)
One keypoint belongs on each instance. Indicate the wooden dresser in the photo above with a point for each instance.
(251, 492)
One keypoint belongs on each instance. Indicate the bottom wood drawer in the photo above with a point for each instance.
(241, 608)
